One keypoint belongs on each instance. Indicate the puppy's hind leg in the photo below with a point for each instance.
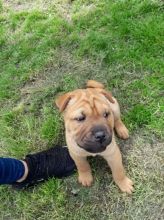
(119, 126)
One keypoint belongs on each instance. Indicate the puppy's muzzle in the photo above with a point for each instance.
(97, 140)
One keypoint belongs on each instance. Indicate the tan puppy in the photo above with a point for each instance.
(90, 117)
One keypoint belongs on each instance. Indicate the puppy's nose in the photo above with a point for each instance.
(99, 136)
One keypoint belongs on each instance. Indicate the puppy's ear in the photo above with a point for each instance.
(108, 95)
(62, 101)
(94, 84)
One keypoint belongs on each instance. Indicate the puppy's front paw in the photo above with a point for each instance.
(126, 185)
(122, 131)
(85, 179)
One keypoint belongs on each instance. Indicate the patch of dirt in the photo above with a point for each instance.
(62, 67)
(18, 5)
(63, 8)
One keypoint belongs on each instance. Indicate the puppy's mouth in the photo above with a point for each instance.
(94, 147)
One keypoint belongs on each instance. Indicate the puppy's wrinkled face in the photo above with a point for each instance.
(88, 118)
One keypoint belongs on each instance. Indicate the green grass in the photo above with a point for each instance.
(51, 47)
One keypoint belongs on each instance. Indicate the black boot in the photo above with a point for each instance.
(54, 162)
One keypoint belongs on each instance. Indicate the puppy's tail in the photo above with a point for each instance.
(94, 84)
(100, 86)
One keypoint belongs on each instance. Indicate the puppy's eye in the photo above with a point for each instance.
(106, 114)
(80, 118)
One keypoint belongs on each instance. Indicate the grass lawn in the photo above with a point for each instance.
(51, 47)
